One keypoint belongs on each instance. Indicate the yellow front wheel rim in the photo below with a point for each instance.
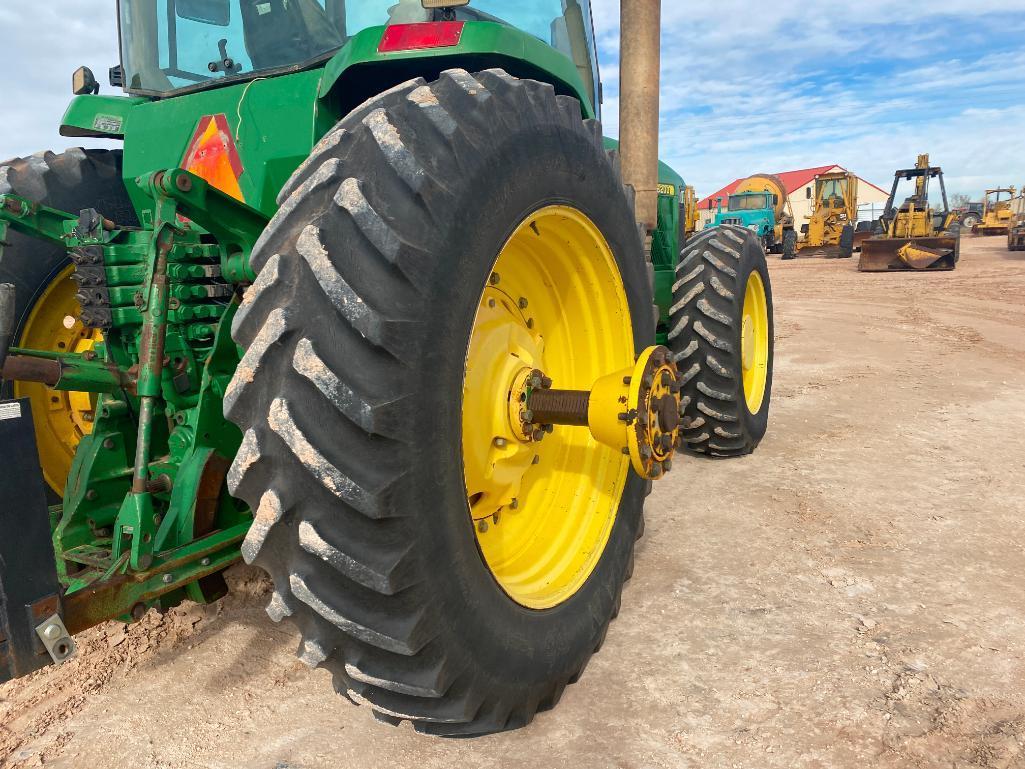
(755, 342)
(61, 419)
(543, 511)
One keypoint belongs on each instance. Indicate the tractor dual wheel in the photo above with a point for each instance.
(443, 243)
(721, 335)
(47, 310)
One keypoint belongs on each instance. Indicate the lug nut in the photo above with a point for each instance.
(535, 381)
(627, 380)
(538, 434)
(482, 527)
(546, 383)
(495, 278)
(523, 303)
(667, 465)
(491, 303)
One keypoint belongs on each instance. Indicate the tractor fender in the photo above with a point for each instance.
(98, 117)
(360, 71)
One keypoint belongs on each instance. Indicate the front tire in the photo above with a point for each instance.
(789, 247)
(721, 334)
(373, 280)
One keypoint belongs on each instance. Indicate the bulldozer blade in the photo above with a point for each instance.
(891, 254)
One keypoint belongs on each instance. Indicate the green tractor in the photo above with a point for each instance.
(365, 301)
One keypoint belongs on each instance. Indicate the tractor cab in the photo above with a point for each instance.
(176, 46)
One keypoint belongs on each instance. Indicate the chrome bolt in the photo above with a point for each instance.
(501, 443)
(108, 444)
(204, 562)
(52, 632)
(168, 579)
(535, 381)
(527, 415)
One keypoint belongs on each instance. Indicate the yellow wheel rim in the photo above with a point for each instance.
(543, 511)
(60, 418)
(754, 342)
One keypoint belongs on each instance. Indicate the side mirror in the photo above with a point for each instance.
(83, 81)
(215, 12)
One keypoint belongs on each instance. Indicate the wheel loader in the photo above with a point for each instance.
(831, 226)
(362, 298)
(997, 215)
(913, 235)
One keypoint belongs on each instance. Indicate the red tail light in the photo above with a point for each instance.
(416, 37)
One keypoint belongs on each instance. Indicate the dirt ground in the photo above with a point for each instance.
(852, 595)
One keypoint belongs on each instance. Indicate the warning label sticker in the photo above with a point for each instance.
(109, 124)
(10, 411)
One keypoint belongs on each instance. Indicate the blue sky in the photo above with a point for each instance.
(746, 87)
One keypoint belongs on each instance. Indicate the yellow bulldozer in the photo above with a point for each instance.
(997, 215)
(830, 227)
(913, 235)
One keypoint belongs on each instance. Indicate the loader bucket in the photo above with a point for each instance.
(888, 254)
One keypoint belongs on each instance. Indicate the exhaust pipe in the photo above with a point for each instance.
(639, 71)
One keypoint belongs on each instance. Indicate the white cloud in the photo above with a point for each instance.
(749, 88)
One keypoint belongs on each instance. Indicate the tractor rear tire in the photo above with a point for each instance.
(350, 397)
(69, 181)
(968, 221)
(725, 409)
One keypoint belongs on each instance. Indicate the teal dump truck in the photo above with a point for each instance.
(760, 205)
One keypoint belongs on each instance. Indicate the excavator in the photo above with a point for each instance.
(913, 235)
